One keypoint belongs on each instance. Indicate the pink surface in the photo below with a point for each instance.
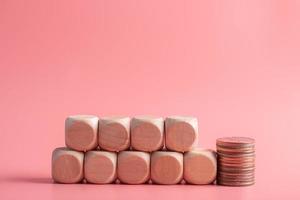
(233, 64)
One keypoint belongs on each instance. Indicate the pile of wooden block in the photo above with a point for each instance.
(133, 151)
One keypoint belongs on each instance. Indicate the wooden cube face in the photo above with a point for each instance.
(67, 165)
(133, 167)
(147, 133)
(181, 133)
(114, 133)
(100, 167)
(166, 167)
(200, 166)
(81, 132)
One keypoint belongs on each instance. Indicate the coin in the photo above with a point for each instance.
(240, 155)
(222, 159)
(235, 150)
(238, 165)
(236, 177)
(235, 142)
(235, 154)
(235, 169)
(235, 183)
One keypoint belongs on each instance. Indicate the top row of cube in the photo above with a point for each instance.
(143, 133)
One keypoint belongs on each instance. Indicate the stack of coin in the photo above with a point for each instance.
(236, 161)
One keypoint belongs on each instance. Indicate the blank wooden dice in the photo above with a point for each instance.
(200, 166)
(181, 133)
(114, 133)
(147, 133)
(100, 167)
(81, 132)
(67, 165)
(133, 167)
(166, 167)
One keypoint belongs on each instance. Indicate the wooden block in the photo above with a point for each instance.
(181, 133)
(114, 133)
(100, 167)
(166, 167)
(81, 132)
(133, 167)
(200, 166)
(147, 133)
(67, 165)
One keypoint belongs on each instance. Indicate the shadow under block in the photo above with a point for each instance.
(81, 132)
(200, 166)
(181, 133)
(147, 133)
(100, 167)
(114, 133)
(166, 167)
(67, 165)
(133, 167)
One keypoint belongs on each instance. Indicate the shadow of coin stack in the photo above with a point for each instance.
(236, 161)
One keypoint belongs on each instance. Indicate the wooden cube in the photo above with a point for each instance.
(200, 166)
(114, 133)
(166, 167)
(100, 167)
(67, 165)
(147, 133)
(133, 167)
(81, 132)
(181, 133)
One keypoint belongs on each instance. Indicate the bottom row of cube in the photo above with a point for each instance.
(198, 166)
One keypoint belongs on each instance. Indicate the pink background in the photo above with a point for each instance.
(233, 64)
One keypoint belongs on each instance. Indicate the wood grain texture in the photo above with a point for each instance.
(147, 133)
(200, 166)
(81, 132)
(100, 167)
(181, 133)
(67, 165)
(166, 167)
(114, 133)
(133, 167)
